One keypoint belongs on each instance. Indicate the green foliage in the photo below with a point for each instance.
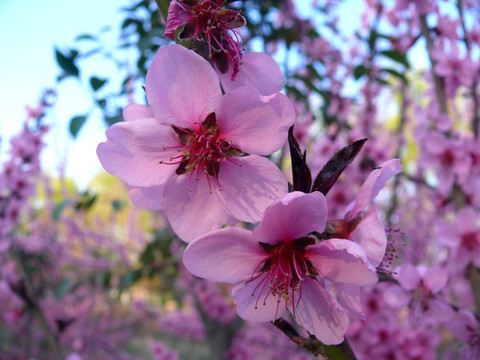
(66, 61)
(76, 124)
(96, 83)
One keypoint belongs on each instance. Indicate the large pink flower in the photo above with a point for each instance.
(280, 268)
(184, 153)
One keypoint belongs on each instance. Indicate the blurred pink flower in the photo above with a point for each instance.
(278, 268)
(418, 289)
(182, 153)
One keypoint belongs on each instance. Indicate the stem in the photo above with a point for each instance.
(473, 89)
(37, 311)
(474, 278)
(437, 80)
(394, 202)
(341, 351)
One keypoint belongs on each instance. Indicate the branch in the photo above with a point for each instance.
(473, 89)
(37, 311)
(438, 81)
(341, 351)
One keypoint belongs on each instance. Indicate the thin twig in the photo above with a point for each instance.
(437, 80)
(37, 311)
(341, 351)
(473, 89)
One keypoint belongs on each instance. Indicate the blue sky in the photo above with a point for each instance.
(29, 30)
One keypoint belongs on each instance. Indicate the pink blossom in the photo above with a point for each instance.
(182, 152)
(256, 69)
(462, 237)
(418, 288)
(362, 225)
(465, 328)
(207, 20)
(278, 268)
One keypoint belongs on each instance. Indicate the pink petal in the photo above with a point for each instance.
(176, 17)
(256, 125)
(435, 143)
(374, 183)
(396, 296)
(467, 220)
(342, 261)
(137, 111)
(293, 216)
(148, 198)
(409, 277)
(227, 255)
(320, 314)
(192, 213)
(257, 307)
(182, 88)
(134, 149)
(250, 188)
(435, 279)
(370, 235)
(349, 297)
(258, 70)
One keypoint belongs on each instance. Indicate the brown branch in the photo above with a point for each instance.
(33, 305)
(437, 80)
(473, 89)
(341, 351)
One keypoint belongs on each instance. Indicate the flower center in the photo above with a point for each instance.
(210, 22)
(201, 151)
(283, 272)
(470, 241)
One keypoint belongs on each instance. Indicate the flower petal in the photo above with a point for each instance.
(182, 88)
(349, 297)
(409, 277)
(192, 213)
(258, 70)
(293, 216)
(148, 198)
(177, 16)
(255, 124)
(250, 187)
(253, 304)
(435, 279)
(370, 235)
(227, 255)
(137, 111)
(134, 149)
(374, 183)
(342, 261)
(320, 314)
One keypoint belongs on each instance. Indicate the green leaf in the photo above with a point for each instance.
(395, 73)
(110, 120)
(62, 288)
(76, 124)
(396, 56)
(359, 71)
(67, 62)
(86, 201)
(85, 37)
(97, 83)
(58, 209)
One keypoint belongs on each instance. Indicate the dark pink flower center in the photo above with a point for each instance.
(283, 272)
(447, 158)
(470, 241)
(201, 151)
(211, 22)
